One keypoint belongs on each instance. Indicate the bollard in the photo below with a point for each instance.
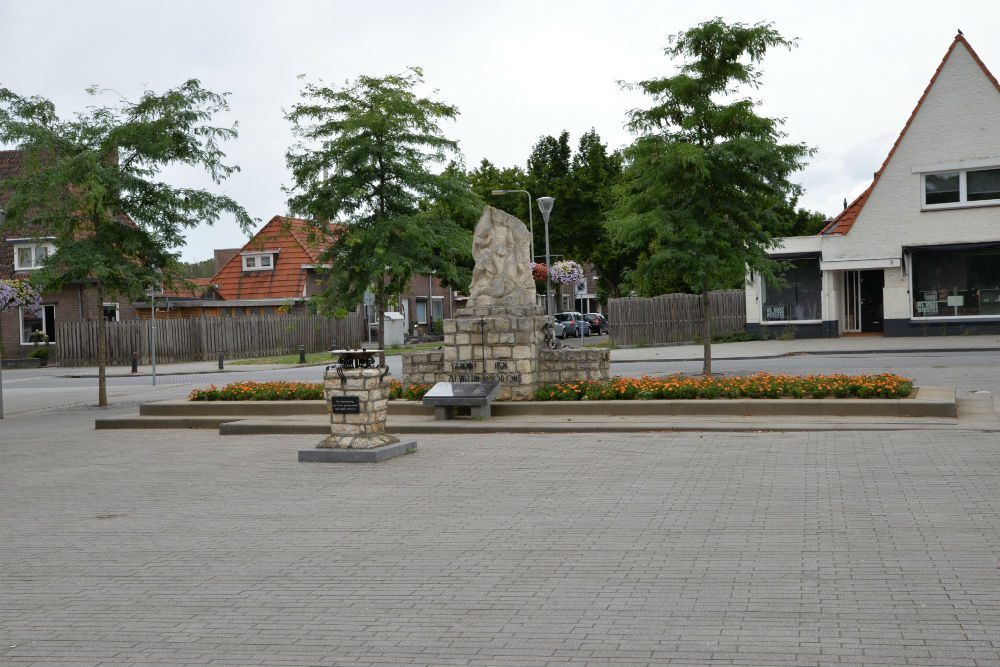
(220, 360)
(135, 362)
(302, 354)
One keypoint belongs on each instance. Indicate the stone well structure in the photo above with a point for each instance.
(500, 335)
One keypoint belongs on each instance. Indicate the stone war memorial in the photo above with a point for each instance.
(500, 335)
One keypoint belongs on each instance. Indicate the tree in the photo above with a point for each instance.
(91, 182)
(363, 164)
(203, 269)
(708, 178)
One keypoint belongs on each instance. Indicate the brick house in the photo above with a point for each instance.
(272, 274)
(918, 252)
(22, 251)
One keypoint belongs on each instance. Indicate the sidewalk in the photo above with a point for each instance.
(682, 352)
(760, 349)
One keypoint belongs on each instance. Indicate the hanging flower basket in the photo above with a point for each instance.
(18, 294)
(566, 272)
(539, 271)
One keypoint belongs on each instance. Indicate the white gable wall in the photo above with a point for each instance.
(959, 120)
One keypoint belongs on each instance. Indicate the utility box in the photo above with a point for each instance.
(395, 329)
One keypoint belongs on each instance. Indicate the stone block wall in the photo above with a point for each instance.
(514, 353)
(567, 364)
(366, 428)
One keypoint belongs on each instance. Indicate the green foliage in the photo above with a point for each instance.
(701, 200)
(760, 385)
(39, 353)
(260, 391)
(437, 326)
(363, 162)
(708, 178)
(407, 392)
(582, 183)
(202, 269)
(92, 184)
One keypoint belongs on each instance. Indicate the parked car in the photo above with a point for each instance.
(598, 323)
(573, 323)
(558, 330)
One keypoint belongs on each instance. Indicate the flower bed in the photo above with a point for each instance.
(407, 392)
(260, 391)
(761, 385)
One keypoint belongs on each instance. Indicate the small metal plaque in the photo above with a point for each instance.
(345, 405)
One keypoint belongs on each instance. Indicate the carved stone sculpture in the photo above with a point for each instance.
(501, 249)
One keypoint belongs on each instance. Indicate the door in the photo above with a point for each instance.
(852, 301)
(872, 283)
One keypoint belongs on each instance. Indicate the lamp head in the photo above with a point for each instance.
(545, 206)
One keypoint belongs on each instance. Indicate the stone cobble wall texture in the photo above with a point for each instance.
(366, 428)
(514, 353)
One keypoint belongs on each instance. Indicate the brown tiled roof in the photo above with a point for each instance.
(287, 279)
(11, 166)
(197, 289)
(843, 222)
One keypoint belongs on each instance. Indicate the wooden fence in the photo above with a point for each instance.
(674, 318)
(198, 339)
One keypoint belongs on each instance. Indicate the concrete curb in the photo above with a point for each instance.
(933, 405)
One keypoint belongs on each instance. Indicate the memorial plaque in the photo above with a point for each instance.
(345, 405)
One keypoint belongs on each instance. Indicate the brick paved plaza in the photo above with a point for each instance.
(185, 547)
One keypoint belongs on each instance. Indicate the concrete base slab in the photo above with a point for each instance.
(375, 455)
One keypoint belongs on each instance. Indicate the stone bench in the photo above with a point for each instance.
(446, 396)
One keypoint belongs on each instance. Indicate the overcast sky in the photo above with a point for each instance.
(515, 70)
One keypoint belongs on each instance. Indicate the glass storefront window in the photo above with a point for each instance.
(798, 298)
(956, 283)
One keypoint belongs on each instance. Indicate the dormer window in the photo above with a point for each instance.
(31, 256)
(259, 260)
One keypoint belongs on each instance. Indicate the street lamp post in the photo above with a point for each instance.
(545, 206)
(531, 224)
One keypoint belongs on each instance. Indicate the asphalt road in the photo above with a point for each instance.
(26, 391)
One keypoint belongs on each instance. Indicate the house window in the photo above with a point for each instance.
(955, 283)
(437, 308)
(41, 319)
(29, 257)
(258, 261)
(963, 187)
(421, 312)
(798, 298)
(111, 312)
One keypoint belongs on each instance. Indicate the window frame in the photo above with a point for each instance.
(925, 319)
(762, 293)
(52, 315)
(19, 267)
(117, 309)
(254, 261)
(962, 170)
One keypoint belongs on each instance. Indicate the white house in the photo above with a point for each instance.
(918, 253)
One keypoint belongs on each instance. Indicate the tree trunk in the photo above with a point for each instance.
(706, 328)
(102, 349)
(381, 322)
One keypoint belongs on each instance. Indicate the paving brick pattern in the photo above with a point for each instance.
(176, 548)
